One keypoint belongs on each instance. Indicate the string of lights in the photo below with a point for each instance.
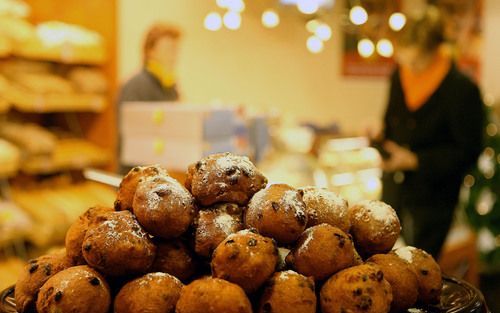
(320, 31)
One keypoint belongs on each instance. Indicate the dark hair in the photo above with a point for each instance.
(155, 33)
(425, 32)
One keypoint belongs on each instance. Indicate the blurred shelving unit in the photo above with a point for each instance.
(349, 166)
(57, 117)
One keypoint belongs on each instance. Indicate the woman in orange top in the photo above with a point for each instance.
(432, 133)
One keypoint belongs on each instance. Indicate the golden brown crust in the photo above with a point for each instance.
(76, 289)
(277, 212)
(128, 186)
(245, 258)
(224, 177)
(288, 292)
(321, 251)
(76, 232)
(34, 275)
(358, 289)
(164, 207)
(214, 224)
(428, 272)
(324, 206)
(401, 278)
(375, 227)
(175, 258)
(118, 246)
(151, 293)
(213, 295)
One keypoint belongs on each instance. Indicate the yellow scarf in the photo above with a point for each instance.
(166, 78)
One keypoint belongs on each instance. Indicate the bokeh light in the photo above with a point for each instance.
(213, 21)
(366, 48)
(270, 18)
(314, 44)
(358, 15)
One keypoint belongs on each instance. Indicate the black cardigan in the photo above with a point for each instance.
(445, 133)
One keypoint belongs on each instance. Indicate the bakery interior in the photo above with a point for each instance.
(298, 86)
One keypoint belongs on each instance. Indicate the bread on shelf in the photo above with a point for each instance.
(14, 8)
(15, 29)
(68, 154)
(15, 224)
(53, 208)
(30, 138)
(9, 159)
(25, 101)
(88, 80)
(34, 87)
(66, 43)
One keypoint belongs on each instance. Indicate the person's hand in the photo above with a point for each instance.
(401, 159)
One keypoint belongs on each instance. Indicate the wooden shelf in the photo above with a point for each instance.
(26, 101)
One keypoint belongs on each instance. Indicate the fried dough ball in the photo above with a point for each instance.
(151, 293)
(125, 196)
(224, 177)
(76, 289)
(34, 275)
(277, 212)
(288, 292)
(214, 224)
(428, 272)
(358, 289)
(213, 295)
(375, 227)
(164, 207)
(77, 230)
(324, 206)
(321, 251)
(175, 258)
(118, 246)
(401, 278)
(246, 259)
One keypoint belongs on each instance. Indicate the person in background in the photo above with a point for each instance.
(432, 133)
(156, 80)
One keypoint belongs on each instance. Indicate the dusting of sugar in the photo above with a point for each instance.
(309, 236)
(111, 229)
(406, 253)
(225, 222)
(326, 198)
(292, 201)
(178, 195)
(286, 274)
(153, 200)
(229, 161)
(378, 210)
(258, 200)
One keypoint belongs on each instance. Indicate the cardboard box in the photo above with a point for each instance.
(176, 121)
(174, 154)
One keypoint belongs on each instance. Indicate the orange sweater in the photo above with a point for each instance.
(419, 87)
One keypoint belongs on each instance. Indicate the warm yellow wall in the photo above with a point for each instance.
(253, 66)
(271, 68)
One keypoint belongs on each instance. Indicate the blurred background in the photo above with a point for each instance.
(300, 86)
